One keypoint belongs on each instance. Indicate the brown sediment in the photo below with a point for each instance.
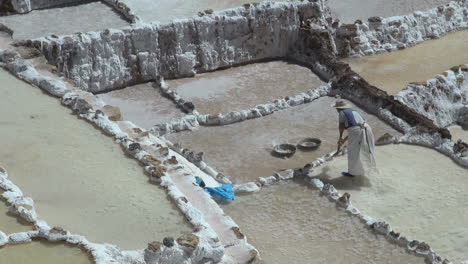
(291, 223)
(143, 104)
(242, 151)
(82, 18)
(79, 179)
(417, 190)
(240, 88)
(458, 133)
(43, 252)
(393, 71)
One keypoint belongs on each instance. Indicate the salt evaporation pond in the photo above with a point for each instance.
(9, 223)
(419, 191)
(42, 252)
(66, 20)
(79, 178)
(143, 104)
(241, 151)
(164, 11)
(246, 86)
(291, 223)
(351, 10)
(392, 71)
(458, 133)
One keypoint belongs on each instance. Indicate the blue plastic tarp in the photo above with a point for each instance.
(224, 191)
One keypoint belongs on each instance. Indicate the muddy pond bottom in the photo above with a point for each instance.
(351, 10)
(458, 133)
(43, 252)
(292, 223)
(9, 223)
(79, 178)
(246, 86)
(419, 191)
(164, 11)
(393, 71)
(242, 151)
(143, 104)
(66, 20)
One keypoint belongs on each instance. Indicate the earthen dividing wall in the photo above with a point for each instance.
(443, 99)
(112, 59)
(315, 48)
(379, 34)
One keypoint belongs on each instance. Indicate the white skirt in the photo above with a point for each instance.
(361, 150)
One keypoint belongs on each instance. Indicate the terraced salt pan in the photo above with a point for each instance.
(241, 151)
(351, 10)
(80, 179)
(393, 71)
(60, 21)
(164, 11)
(43, 253)
(243, 87)
(9, 223)
(458, 133)
(143, 105)
(291, 223)
(419, 191)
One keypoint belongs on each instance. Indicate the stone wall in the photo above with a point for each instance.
(379, 34)
(112, 59)
(315, 48)
(443, 99)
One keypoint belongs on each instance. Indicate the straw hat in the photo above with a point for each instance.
(341, 104)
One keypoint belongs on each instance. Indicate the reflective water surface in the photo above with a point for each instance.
(393, 71)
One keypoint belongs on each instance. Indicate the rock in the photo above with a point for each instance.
(28, 53)
(209, 11)
(81, 106)
(112, 112)
(423, 248)
(238, 233)
(137, 130)
(3, 238)
(58, 231)
(385, 139)
(158, 171)
(168, 242)
(394, 235)
(375, 19)
(188, 240)
(172, 160)
(150, 160)
(134, 147)
(154, 246)
(26, 206)
(462, 119)
(188, 107)
(345, 199)
(164, 151)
